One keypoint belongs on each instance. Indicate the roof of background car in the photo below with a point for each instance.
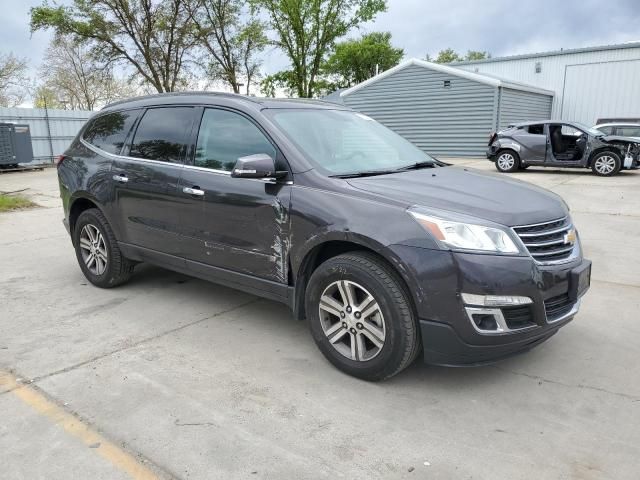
(617, 124)
(213, 98)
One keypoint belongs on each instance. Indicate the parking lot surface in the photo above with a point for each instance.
(173, 377)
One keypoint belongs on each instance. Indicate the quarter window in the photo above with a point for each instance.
(108, 132)
(226, 136)
(163, 134)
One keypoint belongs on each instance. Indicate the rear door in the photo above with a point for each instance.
(236, 224)
(533, 140)
(145, 179)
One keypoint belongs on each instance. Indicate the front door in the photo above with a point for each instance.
(235, 224)
(145, 179)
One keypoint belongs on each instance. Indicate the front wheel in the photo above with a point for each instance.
(606, 164)
(361, 317)
(507, 161)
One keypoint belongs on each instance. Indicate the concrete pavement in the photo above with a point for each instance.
(194, 380)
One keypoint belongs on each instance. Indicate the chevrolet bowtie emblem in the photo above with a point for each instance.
(570, 237)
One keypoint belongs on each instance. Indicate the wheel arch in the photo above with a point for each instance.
(80, 202)
(605, 148)
(333, 246)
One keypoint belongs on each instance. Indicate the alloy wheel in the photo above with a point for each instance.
(93, 249)
(352, 320)
(605, 164)
(506, 161)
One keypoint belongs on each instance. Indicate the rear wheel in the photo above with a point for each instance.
(97, 251)
(606, 164)
(507, 161)
(360, 316)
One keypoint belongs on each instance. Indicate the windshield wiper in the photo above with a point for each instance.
(364, 173)
(416, 166)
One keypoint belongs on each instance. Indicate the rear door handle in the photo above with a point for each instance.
(121, 178)
(193, 191)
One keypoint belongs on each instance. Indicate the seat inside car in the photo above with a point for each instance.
(557, 142)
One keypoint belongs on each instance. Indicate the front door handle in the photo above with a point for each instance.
(121, 178)
(193, 191)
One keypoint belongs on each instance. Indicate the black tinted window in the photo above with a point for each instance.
(536, 129)
(108, 132)
(162, 134)
(225, 136)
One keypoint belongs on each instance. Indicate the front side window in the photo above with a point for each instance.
(162, 134)
(108, 132)
(344, 142)
(225, 136)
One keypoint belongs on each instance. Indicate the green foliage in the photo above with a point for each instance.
(14, 202)
(477, 55)
(354, 61)
(154, 38)
(447, 55)
(305, 30)
(231, 39)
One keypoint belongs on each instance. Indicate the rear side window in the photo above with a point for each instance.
(162, 134)
(226, 136)
(108, 132)
(629, 131)
(536, 129)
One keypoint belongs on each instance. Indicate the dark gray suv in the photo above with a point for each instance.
(385, 251)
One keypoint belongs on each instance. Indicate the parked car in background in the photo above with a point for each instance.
(562, 144)
(620, 129)
(385, 251)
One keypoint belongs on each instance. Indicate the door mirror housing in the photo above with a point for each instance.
(259, 165)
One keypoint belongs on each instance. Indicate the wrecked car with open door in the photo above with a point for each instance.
(562, 144)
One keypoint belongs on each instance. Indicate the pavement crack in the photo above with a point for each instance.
(198, 424)
(140, 342)
(627, 396)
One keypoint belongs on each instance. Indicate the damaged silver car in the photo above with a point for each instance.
(562, 144)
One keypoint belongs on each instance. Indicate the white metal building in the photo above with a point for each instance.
(589, 83)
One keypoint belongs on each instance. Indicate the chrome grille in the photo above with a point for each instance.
(547, 242)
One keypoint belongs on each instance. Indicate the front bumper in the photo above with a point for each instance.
(449, 336)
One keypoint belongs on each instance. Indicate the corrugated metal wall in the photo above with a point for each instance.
(610, 89)
(50, 140)
(444, 121)
(553, 73)
(518, 106)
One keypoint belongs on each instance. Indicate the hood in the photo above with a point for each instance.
(493, 197)
(618, 138)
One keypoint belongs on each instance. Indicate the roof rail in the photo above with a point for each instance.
(177, 94)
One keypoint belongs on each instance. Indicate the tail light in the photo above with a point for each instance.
(58, 160)
(492, 137)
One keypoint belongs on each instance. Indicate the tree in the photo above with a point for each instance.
(477, 55)
(231, 42)
(76, 79)
(306, 29)
(13, 80)
(354, 61)
(47, 97)
(447, 56)
(154, 38)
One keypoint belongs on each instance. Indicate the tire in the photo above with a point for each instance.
(391, 317)
(606, 164)
(507, 161)
(109, 267)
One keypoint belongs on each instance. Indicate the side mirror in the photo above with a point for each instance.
(259, 165)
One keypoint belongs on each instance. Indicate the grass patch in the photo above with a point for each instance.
(14, 202)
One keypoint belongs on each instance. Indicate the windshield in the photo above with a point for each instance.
(589, 130)
(345, 142)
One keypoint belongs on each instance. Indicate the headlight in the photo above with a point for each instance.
(465, 236)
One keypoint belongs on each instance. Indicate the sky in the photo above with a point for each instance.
(427, 26)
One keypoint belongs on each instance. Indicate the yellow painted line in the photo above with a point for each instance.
(115, 455)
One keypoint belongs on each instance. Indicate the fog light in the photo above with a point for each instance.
(494, 300)
(485, 321)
